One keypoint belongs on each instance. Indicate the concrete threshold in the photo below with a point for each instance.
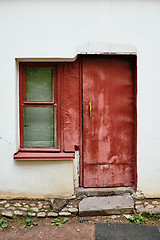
(95, 192)
(94, 206)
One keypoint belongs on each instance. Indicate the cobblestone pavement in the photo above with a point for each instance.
(38, 208)
(148, 205)
(12, 208)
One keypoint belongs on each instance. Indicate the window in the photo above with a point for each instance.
(39, 104)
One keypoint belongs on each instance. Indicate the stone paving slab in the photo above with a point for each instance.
(93, 206)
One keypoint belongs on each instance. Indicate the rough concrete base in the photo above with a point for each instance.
(93, 206)
(101, 192)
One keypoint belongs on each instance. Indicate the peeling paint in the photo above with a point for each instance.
(108, 139)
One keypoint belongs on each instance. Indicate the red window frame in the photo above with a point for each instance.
(23, 102)
(29, 153)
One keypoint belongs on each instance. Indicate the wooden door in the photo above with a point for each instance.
(109, 128)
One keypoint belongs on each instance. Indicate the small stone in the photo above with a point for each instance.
(1, 209)
(96, 220)
(17, 205)
(23, 209)
(18, 213)
(40, 205)
(41, 214)
(11, 208)
(113, 216)
(25, 205)
(138, 202)
(31, 214)
(52, 214)
(7, 213)
(7, 205)
(73, 197)
(73, 210)
(46, 203)
(32, 204)
(156, 210)
(80, 197)
(34, 209)
(149, 206)
(138, 195)
(64, 214)
(58, 204)
(146, 203)
(39, 202)
(155, 202)
(45, 206)
(127, 216)
(138, 206)
(78, 230)
(69, 206)
(140, 209)
(3, 202)
(64, 210)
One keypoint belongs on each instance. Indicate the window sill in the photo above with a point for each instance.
(43, 156)
(37, 150)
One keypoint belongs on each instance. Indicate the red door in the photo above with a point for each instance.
(108, 120)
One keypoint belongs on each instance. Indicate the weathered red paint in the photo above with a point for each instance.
(23, 102)
(109, 175)
(81, 124)
(67, 101)
(43, 156)
(108, 135)
(70, 106)
(21, 99)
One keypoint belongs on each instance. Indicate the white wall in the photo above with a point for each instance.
(54, 29)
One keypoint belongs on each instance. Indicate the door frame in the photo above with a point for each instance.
(134, 56)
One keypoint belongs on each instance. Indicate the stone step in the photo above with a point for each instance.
(96, 206)
(94, 192)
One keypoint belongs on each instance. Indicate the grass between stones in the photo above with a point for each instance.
(139, 219)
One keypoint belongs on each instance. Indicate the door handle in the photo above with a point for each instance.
(90, 109)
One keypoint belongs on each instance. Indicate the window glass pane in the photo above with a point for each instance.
(39, 84)
(40, 127)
